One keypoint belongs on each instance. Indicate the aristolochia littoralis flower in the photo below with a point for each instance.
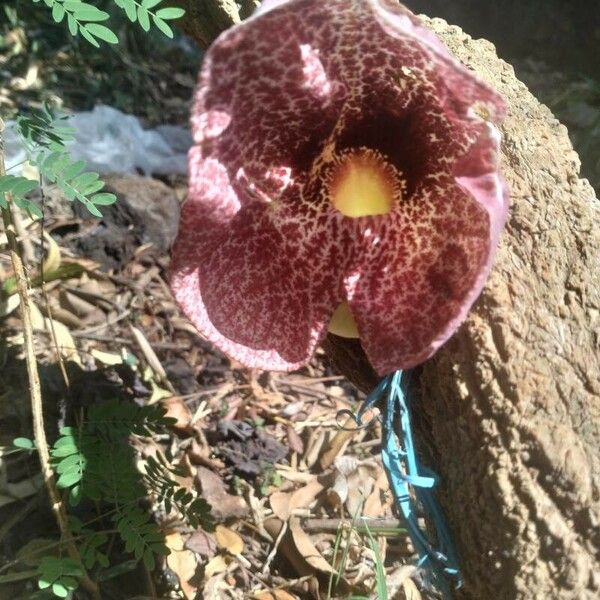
(344, 177)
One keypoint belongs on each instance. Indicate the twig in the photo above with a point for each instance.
(377, 526)
(101, 326)
(34, 386)
(26, 245)
(273, 553)
(59, 356)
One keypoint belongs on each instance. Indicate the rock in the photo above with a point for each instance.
(146, 212)
(154, 206)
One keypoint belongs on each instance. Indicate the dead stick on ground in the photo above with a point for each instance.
(35, 389)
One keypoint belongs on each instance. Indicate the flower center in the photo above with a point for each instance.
(362, 184)
(342, 322)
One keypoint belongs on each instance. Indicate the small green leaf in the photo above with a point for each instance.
(85, 179)
(93, 210)
(70, 567)
(85, 12)
(64, 450)
(72, 23)
(92, 188)
(69, 431)
(24, 186)
(130, 10)
(70, 583)
(73, 169)
(43, 583)
(162, 26)
(32, 209)
(58, 12)
(104, 199)
(102, 33)
(73, 461)
(149, 560)
(143, 18)
(170, 13)
(6, 182)
(58, 589)
(25, 443)
(88, 36)
(68, 479)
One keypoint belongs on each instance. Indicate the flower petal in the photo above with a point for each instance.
(417, 283)
(264, 289)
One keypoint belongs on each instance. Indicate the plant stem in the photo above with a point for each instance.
(33, 377)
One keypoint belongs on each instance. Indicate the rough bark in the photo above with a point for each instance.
(206, 19)
(512, 403)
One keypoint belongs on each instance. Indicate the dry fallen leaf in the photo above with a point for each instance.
(274, 595)
(229, 540)
(215, 565)
(178, 409)
(224, 505)
(294, 440)
(338, 443)
(410, 590)
(283, 503)
(303, 544)
(183, 563)
(64, 340)
(107, 358)
(203, 543)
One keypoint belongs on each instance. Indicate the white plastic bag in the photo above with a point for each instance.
(112, 142)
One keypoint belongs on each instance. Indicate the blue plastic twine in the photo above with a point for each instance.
(440, 565)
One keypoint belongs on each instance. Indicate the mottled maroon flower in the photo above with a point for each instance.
(345, 176)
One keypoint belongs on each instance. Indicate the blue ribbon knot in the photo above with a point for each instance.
(412, 483)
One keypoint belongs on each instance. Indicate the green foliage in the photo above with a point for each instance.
(18, 187)
(59, 574)
(91, 542)
(142, 13)
(82, 18)
(24, 443)
(195, 509)
(85, 19)
(44, 137)
(96, 462)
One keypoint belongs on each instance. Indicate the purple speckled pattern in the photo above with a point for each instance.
(263, 258)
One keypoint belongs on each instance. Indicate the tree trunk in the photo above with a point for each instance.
(512, 403)
(509, 410)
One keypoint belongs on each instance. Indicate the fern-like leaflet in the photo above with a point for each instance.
(82, 18)
(85, 19)
(142, 13)
(44, 136)
(96, 462)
